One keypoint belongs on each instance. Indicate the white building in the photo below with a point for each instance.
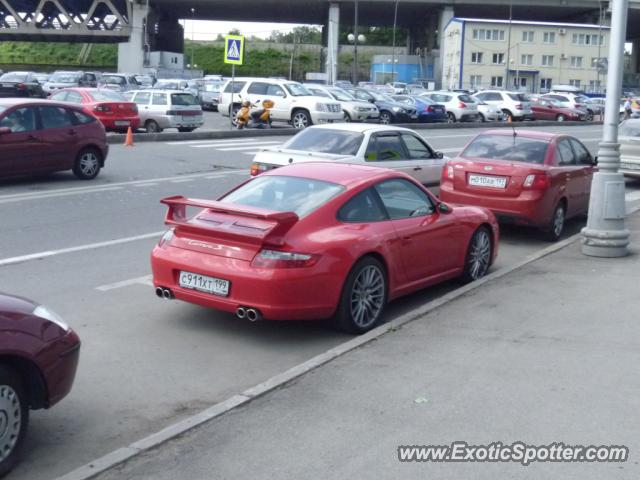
(527, 56)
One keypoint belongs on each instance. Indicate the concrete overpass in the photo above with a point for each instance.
(144, 25)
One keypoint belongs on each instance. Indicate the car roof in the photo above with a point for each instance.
(10, 102)
(526, 133)
(345, 174)
(360, 127)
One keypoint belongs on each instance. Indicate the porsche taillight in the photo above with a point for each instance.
(279, 259)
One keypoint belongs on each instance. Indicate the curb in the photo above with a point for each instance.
(273, 132)
(121, 455)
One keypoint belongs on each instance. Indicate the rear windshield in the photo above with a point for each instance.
(466, 98)
(107, 96)
(113, 80)
(284, 194)
(518, 97)
(14, 77)
(167, 86)
(183, 99)
(62, 77)
(321, 140)
(507, 147)
(211, 87)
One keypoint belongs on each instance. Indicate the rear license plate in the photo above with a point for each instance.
(7, 85)
(121, 123)
(203, 283)
(414, 116)
(485, 181)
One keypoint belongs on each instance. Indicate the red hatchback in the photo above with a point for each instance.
(38, 360)
(526, 177)
(310, 242)
(111, 108)
(40, 136)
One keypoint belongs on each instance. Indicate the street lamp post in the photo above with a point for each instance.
(393, 48)
(193, 12)
(355, 43)
(605, 234)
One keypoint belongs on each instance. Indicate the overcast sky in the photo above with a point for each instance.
(209, 30)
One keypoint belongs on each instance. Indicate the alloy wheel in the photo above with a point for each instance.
(558, 221)
(479, 254)
(300, 120)
(89, 164)
(367, 296)
(10, 420)
(385, 118)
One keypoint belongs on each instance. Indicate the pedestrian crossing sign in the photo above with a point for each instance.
(234, 49)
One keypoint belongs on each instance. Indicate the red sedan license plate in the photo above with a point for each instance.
(203, 283)
(122, 123)
(486, 181)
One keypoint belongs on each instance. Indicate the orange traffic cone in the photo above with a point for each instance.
(128, 141)
(508, 120)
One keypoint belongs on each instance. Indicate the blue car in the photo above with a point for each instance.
(428, 111)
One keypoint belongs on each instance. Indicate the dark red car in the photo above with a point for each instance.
(111, 108)
(38, 360)
(547, 109)
(526, 177)
(317, 240)
(40, 136)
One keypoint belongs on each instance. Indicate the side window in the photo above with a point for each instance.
(80, 118)
(364, 207)
(142, 98)
(74, 97)
(234, 86)
(159, 99)
(564, 154)
(387, 148)
(276, 90)
(482, 96)
(319, 93)
(495, 97)
(403, 199)
(417, 148)
(20, 120)
(582, 154)
(258, 88)
(55, 117)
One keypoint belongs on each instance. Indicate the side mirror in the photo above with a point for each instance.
(372, 100)
(5, 130)
(439, 155)
(595, 160)
(444, 208)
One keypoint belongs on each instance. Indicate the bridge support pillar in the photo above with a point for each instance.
(634, 64)
(131, 54)
(333, 31)
(446, 14)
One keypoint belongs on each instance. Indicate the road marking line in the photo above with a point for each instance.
(243, 148)
(144, 280)
(150, 184)
(251, 153)
(235, 144)
(194, 142)
(79, 248)
(183, 180)
(57, 192)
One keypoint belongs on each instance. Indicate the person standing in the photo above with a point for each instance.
(627, 109)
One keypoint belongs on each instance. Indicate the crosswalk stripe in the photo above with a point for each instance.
(231, 149)
(194, 142)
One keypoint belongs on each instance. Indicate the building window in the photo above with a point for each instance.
(527, 37)
(476, 57)
(574, 83)
(496, 81)
(576, 62)
(526, 59)
(485, 34)
(594, 86)
(586, 39)
(498, 58)
(545, 85)
(547, 60)
(549, 37)
(475, 81)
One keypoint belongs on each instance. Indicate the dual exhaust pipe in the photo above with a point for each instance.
(250, 314)
(165, 293)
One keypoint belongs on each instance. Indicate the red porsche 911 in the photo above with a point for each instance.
(524, 177)
(317, 241)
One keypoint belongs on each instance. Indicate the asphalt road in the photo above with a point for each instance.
(147, 363)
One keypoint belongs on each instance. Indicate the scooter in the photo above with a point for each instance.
(258, 116)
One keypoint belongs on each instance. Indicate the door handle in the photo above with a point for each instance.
(415, 169)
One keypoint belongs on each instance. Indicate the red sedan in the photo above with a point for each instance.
(547, 109)
(310, 242)
(38, 360)
(525, 177)
(111, 108)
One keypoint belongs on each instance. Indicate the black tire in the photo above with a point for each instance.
(151, 126)
(589, 117)
(451, 118)
(87, 164)
(385, 117)
(300, 119)
(481, 118)
(14, 414)
(554, 231)
(560, 118)
(478, 258)
(369, 303)
(186, 129)
(508, 116)
(346, 117)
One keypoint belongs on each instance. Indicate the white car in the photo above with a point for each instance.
(488, 113)
(354, 110)
(376, 145)
(629, 138)
(160, 109)
(293, 103)
(514, 105)
(460, 106)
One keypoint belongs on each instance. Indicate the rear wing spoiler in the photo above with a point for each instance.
(177, 216)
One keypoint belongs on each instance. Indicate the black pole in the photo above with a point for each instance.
(355, 44)
(393, 51)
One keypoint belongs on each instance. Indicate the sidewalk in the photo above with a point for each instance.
(548, 353)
